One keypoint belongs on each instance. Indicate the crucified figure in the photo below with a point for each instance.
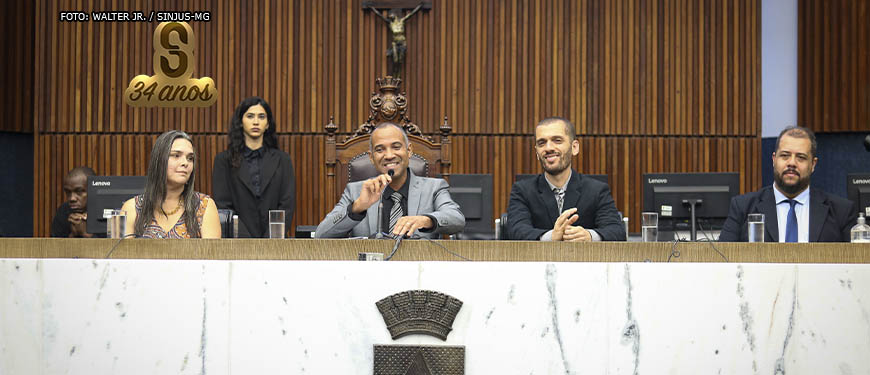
(397, 27)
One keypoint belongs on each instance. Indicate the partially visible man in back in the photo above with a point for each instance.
(71, 217)
(561, 204)
(793, 211)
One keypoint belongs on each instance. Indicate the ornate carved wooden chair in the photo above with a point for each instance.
(349, 161)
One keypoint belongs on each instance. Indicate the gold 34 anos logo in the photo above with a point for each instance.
(172, 85)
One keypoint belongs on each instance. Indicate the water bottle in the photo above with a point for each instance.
(861, 231)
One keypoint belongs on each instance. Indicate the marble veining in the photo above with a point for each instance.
(779, 368)
(554, 313)
(631, 332)
(746, 317)
(61, 316)
(203, 338)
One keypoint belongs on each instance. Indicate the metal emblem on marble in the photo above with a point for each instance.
(419, 311)
(424, 312)
(419, 360)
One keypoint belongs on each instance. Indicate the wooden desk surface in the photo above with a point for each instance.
(417, 250)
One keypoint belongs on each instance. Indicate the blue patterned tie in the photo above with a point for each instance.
(791, 228)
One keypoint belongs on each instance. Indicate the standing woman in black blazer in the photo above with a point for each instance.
(253, 176)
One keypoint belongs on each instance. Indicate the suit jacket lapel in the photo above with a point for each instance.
(818, 212)
(767, 206)
(268, 168)
(547, 198)
(572, 192)
(372, 218)
(245, 176)
(414, 192)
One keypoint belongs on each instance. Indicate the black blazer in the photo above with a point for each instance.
(532, 208)
(831, 217)
(232, 189)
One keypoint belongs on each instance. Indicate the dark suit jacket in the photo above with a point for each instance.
(831, 217)
(232, 189)
(532, 208)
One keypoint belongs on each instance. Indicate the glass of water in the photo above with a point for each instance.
(276, 223)
(649, 226)
(116, 224)
(755, 227)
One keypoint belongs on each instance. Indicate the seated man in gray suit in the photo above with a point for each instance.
(410, 203)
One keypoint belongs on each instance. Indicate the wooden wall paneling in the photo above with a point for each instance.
(714, 67)
(8, 77)
(827, 115)
(683, 69)
(37, 103)
(638, 76)
(26, 75)
(830, 85)
(676, 69)
(747, 64)
(76, 97)
(833, 84)
(734, 52)
(50, 72)
(863, 65)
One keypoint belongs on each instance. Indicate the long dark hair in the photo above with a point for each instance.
(236, 135)
(155, 185)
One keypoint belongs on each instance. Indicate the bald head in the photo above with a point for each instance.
(81, 171)
(75, 187)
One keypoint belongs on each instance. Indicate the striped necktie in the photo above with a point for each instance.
(560, 198)
(396, 211)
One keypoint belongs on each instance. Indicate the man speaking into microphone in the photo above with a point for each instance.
(410, 205)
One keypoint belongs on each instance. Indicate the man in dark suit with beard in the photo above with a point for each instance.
(561, 204)
(793, 211)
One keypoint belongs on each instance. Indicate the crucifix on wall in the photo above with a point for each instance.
(395, 16)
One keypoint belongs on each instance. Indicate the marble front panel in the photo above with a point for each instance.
(61, 316)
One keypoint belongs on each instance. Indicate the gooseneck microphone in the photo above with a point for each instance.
(381, 207)
(395, 247)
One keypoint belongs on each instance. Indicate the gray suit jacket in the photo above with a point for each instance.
(426, 196)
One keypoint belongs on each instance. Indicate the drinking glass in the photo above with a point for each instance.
(649, 226)
(276, 224)
(755, 227)
(116, 224)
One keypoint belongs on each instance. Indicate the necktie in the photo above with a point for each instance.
(560, 198)
(791, 228)
(396, 211)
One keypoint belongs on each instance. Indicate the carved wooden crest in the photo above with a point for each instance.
(388, 104)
